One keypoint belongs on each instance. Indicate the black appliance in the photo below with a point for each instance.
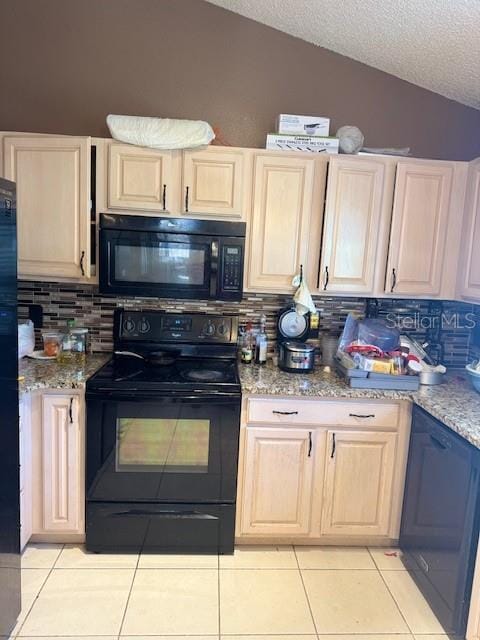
(9, 451)
(171, 257)
(163, 422)
(440, 520)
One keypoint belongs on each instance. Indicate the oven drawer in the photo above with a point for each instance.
(322, 412)
(159, 528)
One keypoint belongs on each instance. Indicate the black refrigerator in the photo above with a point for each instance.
(9, 449)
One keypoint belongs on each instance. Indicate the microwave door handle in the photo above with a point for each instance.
(213, 267)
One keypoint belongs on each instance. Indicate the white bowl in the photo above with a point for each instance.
(474, 377)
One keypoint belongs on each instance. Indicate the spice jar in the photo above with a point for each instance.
(79, 344)
(52, 342)
(398, 363)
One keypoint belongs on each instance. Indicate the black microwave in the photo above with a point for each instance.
(171, 257)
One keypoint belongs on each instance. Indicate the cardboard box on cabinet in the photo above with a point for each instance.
(313, 144)
(303, 125)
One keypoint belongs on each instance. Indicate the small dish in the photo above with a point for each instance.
(474, 375)
(40, 355)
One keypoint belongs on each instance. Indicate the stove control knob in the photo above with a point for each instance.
(209, 329)
(128, 325)
(144, 326)
(222, 329)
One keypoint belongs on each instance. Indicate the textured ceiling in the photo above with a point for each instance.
(432, 43)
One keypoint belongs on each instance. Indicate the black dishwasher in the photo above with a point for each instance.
(440, 519)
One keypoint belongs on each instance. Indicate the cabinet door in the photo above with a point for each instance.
(53, 192)
(351, 225)
(278, 481)
(281, 221)
(139, 178)
(213, 183)
(62, 465)
(419, 228)
(358, 483)
(470, 274)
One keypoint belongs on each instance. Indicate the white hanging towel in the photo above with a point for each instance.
(302, 298)
(160, 133)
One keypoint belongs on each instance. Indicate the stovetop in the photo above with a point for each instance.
(201, 348)
(125, 373)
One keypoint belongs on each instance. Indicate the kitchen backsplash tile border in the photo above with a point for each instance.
(450, 324)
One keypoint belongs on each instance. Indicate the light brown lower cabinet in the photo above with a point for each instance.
(359, 473)
(276, 455)
(323, 481)
(58, 465)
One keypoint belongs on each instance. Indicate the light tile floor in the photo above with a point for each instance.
(259, 593)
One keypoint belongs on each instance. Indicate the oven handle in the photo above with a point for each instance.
(172, 515)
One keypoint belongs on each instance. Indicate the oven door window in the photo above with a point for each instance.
(167, 263)
(166, 445)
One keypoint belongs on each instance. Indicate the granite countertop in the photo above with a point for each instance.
(270, 380)
(455, 402)
(50, 374)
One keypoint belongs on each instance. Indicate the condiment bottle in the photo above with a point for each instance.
(66, 354)
(261, 343)
(398, 367)
(247, 345)
(79, 344)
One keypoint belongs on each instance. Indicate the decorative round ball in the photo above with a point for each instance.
(350, 139)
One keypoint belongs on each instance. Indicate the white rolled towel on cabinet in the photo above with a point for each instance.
(160, 133)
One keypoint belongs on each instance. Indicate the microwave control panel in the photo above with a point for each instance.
(232, 267)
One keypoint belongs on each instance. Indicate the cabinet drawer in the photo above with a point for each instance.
(350, 414)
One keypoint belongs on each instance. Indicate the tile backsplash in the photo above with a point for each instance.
(449, 325)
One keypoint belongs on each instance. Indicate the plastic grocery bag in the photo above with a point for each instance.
(26, 339)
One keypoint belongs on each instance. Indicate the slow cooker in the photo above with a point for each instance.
(296, 357)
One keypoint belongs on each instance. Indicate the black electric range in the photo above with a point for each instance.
(163, 422)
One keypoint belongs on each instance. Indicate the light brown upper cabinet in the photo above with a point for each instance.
(53, 193)
(139, 178)
(213, 182)
(418, 234)
(288, 194)
(356, 223)
(469, 279)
